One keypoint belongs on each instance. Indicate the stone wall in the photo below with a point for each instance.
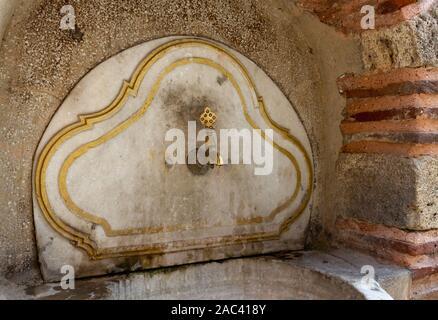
(40, 64)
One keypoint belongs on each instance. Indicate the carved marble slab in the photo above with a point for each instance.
(106, 201)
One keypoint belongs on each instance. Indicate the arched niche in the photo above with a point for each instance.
(105, 200)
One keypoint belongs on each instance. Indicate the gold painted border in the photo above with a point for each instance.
(109, 231)
(83, 240)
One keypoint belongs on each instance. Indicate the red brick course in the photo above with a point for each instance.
(394, 112)
(345, 15)
(417, 250)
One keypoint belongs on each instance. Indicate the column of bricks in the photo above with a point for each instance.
(393, 112)
(388, 166)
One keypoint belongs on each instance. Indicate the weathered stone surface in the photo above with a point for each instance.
(390, 48)
(426, 29)
(425, 288)
(40, 64)
(389, 189)
(389, 161)
(412, 43)
(6, 10)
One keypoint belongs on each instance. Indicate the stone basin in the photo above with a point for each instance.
(289, 275)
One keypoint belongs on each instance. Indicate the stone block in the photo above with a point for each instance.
(389, 189)
(411, 43)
